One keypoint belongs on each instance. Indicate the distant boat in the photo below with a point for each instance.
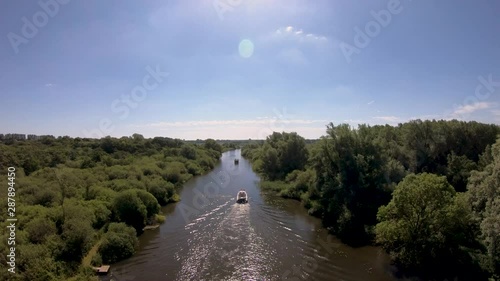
(236, 161)
(242, 197)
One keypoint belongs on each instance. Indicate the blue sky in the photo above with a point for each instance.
(241, 69)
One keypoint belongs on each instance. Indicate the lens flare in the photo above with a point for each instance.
(246, 48)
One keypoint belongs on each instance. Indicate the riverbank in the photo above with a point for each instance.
(74, 189)
(367, 186)
(269, 238)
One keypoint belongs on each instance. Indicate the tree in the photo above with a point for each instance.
(458, 171)
(152, 206)
(351, 181)
(39, 229)
(30, 165)
(108, 145)
(490, 234)
(161, 190)
(422, 224)
(130, 209)
(78, 237)
(119, 243)
(281, 154)
(188, 152)
(292, 153)
(137, 137)
(77, 232)
(212, 144)
(484, 193)
(270, 162)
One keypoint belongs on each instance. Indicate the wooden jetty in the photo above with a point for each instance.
(102, 270)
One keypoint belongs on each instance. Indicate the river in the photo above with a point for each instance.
(207, 236)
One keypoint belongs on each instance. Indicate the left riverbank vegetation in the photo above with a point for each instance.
(78, 196)
(428, 192)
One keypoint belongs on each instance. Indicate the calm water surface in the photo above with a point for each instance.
(207, 236)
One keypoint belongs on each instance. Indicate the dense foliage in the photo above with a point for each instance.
(427, 191)
(118, 243)
(427, 226)
(80, 197)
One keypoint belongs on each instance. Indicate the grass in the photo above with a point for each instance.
(276, 186)
(87, 260)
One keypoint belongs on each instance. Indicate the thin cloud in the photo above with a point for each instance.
(495, 112)
(240, 129)
(371, 102)
(49, 85)
(388, 118)
(262, 121)
(298, 34)
(355, 121)
(470, 108)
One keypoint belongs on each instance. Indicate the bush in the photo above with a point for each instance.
(161, 190)
(419, 226)
(160, 218)
(96, 260)
(130, 209)
(152, 206)
(115, 247)
(39, 229)
(193, 168)
(188, 152)
(118, 243)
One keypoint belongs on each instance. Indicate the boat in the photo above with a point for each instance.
(242, 197)
(236, 161)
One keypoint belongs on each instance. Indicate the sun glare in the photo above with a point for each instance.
(246, 48)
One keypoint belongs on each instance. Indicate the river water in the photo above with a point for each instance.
(207, 236)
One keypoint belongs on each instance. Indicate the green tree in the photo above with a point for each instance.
(152, 206)
(188, 152)
(270, 162)
(118, 243)
(292, 152)
(78, 236)
(39, 229)
(130, 209)
(484, 193)
(424, 225)
(351, 181)
(161, 190)
(458, 171)
(212, 144)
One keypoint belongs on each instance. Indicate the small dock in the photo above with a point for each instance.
(102, 270)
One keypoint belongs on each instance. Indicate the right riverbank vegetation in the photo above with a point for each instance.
(428, 192)
(82, 202)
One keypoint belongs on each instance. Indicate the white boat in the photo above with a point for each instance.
(242, 197)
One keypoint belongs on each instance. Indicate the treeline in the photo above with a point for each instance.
(426, 191)
(82, 202)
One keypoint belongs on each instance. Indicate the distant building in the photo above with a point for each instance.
(37, 137)
(14, 137)
(24, 137)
